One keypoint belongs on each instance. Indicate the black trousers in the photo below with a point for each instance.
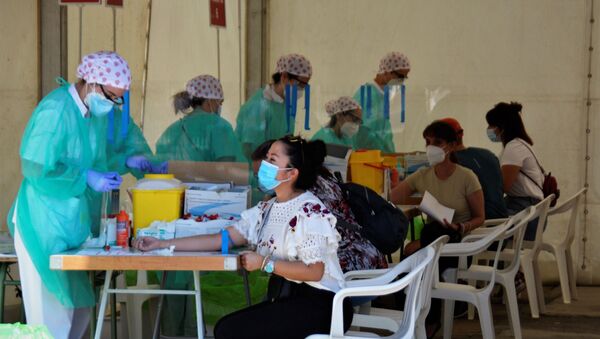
(302, 311)
(429, 234)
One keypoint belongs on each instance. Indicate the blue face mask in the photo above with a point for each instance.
(264, 190)
(267, 176)
(492, 135)
(98, 105)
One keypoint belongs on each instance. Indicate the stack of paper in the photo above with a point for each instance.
(430, 206)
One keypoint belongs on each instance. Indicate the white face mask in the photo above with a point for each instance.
(349, 129)
(435, 155)
(395, 82)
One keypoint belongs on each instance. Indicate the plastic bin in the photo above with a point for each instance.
(366, 168)
(162, 201)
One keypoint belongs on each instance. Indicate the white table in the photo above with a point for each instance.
(179, 261)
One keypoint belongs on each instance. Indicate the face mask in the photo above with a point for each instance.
(264, 190)
(98, 105)
(267, 175)
(349, 129)
(219, 110)
(395, 82)
(435, 155)
(492, 135)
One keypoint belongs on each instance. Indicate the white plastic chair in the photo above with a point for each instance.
(505, 276)
(529, 255)
(450, 291)
(384, 284)
(562, 250)
(135, 302)
(380, 317)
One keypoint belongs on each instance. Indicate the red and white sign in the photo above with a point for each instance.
(217, 13)
(115, 3)
(79, 2)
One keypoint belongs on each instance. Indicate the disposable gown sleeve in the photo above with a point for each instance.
(225, 144)
(43, 163)
(133, 143)
(251, 122)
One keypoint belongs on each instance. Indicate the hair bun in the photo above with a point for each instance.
(515, 106)
(316, 151)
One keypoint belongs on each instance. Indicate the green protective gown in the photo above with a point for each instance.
(59, 145)
(200, 136)
(259, 120)
(381, 129)
(328, 136)
(365, 139)
(117, 153)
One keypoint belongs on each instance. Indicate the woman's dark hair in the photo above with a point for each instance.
(443, 131)
(333, 121)
(307, 157)
(276, 78)
(507, 117)
(260, 153)
(182, 102)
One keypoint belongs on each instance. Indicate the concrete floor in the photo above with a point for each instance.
(580, 319)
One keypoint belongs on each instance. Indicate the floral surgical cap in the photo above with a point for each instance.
(294, 64)
(393, 61)
(205, 87)
(105, 68)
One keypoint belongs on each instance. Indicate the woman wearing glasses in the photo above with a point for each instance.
(263, 117)
(202, 134)
(345, 126)
(296, 242)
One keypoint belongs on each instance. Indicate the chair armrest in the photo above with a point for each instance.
(364, 274)
(494, 222)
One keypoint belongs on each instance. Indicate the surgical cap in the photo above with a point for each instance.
(294, 64)
(330, 107)
(205, 87)
(105, 68)
(393, 61)
(340, 105)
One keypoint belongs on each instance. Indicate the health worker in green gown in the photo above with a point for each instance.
(263, 117)
(202, 134)
(393, 70)
(345, 126)
(63, 158)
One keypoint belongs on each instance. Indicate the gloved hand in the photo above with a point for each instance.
(161, 168)
(139, 162)
(103, 182)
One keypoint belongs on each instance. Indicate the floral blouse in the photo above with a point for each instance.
(301, 229)
(355, 252)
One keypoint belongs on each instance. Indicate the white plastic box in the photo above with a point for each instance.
(201, 199)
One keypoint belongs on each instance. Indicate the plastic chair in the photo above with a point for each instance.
(505, 276)
(562, 250)
(135, 302)
(380, 317)
(450, 291)
(529, 255)
(384, 284)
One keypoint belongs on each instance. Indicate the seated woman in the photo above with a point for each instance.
(296, 241)
(354, 252)
(453, 186)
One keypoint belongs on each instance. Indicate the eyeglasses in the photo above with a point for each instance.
(301, 83)
(113, 98)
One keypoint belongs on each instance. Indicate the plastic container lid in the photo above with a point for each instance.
(158, 182)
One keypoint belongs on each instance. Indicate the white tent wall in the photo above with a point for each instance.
(480, 53)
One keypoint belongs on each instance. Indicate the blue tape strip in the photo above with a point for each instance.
(110, 133)
(368, 101)
(403, 109)
(386, 102)
(125, 115)
(307, 107)
(294, 101)
(362, 96)
(287, 106)
(224, 241)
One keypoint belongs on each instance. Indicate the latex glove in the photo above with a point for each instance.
(161, 168)
(139, 162)
(103, 182)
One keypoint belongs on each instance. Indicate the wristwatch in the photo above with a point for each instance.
(270, 266)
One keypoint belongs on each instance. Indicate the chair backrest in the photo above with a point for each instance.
(517, 225)
(540, 212)
(572, 204)
(424, 298)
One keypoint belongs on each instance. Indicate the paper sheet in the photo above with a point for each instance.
(120, 251)
(430, 206)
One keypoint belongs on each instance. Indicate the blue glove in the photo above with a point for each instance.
(103, 182)
(161, 168)
(139, 162)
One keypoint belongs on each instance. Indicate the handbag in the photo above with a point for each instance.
(550, 184)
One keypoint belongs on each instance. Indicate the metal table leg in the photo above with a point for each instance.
(93, 313)
(161, 299)
(247, 287)
(113, 312)
(3, 268)
(198, 297)
(103, 301)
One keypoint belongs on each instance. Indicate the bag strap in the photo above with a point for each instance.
(264, 219)
(538, 163)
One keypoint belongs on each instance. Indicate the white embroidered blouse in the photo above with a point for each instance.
(301, 229)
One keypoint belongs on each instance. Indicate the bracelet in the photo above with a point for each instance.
(265, 259)
(462, 228)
